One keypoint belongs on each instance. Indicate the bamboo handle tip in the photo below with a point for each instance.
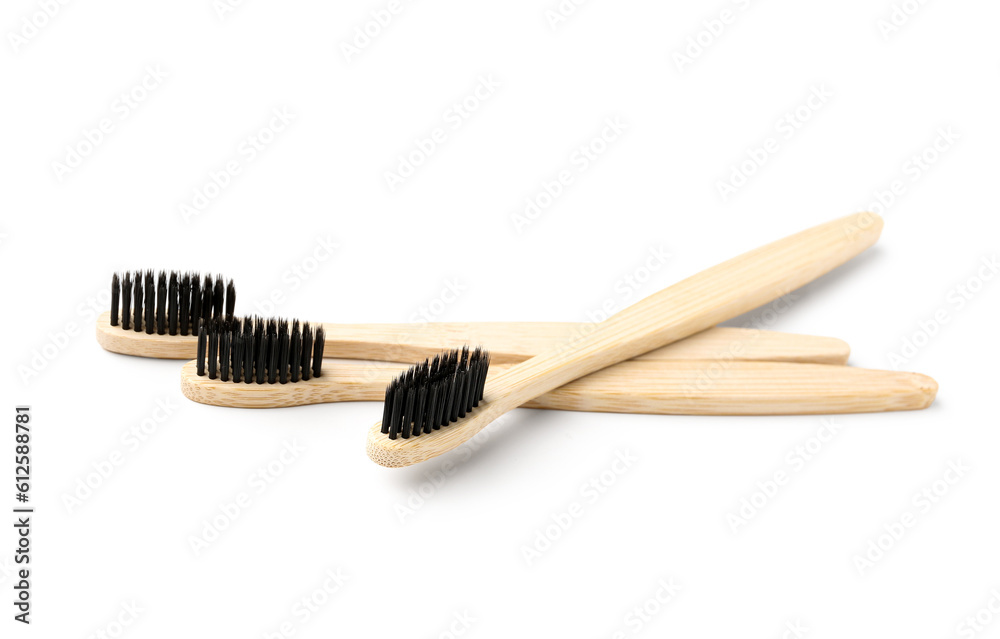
(379, 449)
(866, 226)
(840, 351)
(926, 389)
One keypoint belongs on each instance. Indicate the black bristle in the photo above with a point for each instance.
(195, 300)
(224, 355)
(283, 357)
(256, 337)
(434, 393)
(461, 393)
(450, 410)
(230, 300)
(213, 352)
(137, 302)
(262, 352)
(149, 286)
(172, 302)
(218, 298)
(419, 417)
(115, 292)
(295, 354)
(484, 365)
(247, 350)
(387, 406)
(202, 349)
(474, 386)
(272, 356)
(318, 352)
(432, 403)
(206, 298)
(442, 396)
(307, 340)
(397, 401)
(185, 304)
(161, 304)
(237, 356)
(408, 406)
(127, 301)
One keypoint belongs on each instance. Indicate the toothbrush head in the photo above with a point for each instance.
(156, 314)
(435, 393)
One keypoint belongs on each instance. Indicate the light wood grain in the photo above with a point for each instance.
(692, 305)
(514, 341)
(685, 387)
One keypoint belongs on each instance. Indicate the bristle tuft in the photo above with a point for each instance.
(255, 350)
(435, 393)
(169, 302)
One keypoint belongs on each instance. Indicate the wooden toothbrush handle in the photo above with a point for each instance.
(688, 387)
(740, 388)
(692, 305)
(514, 342)
(510, 342)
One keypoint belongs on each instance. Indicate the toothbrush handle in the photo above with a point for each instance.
(692, 305)
(718, 294)
(635, 386)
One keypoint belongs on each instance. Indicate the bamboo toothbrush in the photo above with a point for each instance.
(256, 364)
(514, 342)
(158, 316)
(692, 305)
(636, 386)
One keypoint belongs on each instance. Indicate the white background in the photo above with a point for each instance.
(461, 552)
